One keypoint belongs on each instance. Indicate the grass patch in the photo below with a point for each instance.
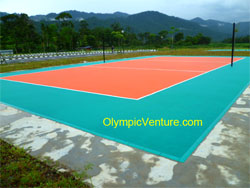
(57, 62)
(19, 169)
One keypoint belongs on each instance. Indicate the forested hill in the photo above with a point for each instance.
(78, 16)
(224, 27)
(153, 22)
(68, 31)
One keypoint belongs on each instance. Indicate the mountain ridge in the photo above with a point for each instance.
(223, 27)
(153, 22)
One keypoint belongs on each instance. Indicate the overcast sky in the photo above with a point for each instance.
(223, 10)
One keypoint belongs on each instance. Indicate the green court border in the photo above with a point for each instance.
(211, 127)
(229, 50)
(182, 159)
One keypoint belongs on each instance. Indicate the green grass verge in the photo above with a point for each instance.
(57, 62)
(19, 169)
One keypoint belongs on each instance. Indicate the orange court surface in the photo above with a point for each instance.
(135, 79)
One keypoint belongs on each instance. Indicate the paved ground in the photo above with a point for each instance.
(222, 160)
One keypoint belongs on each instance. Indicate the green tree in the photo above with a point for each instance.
(152, 39)
(118, 37)
(172, 31)
(141, 38)
(45, 36)
(53, 37)
(101, 34)
(67, 37)
(131, 39)
(178, 37)
(83, 33)
(189, 40)
(91, 40)
(18, 33)
(163, 36)
(65, 19)
(116, 26)
(200, 39)
(146, 37)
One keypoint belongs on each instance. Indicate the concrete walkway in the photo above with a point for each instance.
(222, 160)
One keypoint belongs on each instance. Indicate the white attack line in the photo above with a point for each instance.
(177, 70)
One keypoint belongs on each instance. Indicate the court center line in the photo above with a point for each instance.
(176, 70)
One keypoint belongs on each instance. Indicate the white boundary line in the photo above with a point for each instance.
(168, 61)
(71, 66)
(70, 89)
(119, 96)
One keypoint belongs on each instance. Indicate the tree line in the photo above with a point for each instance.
(243, 39)
(19, 33)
